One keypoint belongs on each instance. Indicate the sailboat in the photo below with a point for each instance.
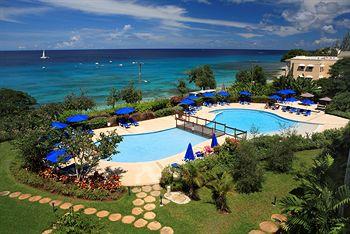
(43, 56)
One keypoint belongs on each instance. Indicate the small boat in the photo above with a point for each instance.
(43, 56)
(120, 65)
(97, 63)
(110, 61)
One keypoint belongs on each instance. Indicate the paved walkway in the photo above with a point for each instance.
(145, 173)
(141, 216)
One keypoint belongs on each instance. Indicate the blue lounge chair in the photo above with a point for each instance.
(299, 111)
(124, 124)
(134, 122)
(175, 165)
(292, 110)
(199, 154)
(307, 113)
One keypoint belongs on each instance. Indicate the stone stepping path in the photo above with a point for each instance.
(268, 226)
(102, 214)
(140, 223)
(34, 198)
(66, 206)
(48, 231)
(273, 226)
(146, 197)
(154, 226)
(24, 196)
(256, 232)
(115, 217)
(128, 219)
(279, 217)
(149, 215)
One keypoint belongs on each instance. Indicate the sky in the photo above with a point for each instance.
(125, 24)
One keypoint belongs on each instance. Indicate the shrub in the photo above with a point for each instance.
(260, 99)
(130, 95)
(246, 172)
(167, 111)
(147, 115)
(281, 155)
(152, 105)
(100, 122)
(175, 100)
(340, 102)
(81, 102)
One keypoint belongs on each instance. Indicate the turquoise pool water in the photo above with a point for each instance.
(155, 145)
(247, 120)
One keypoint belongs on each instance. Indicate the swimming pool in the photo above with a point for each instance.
(247, 120)
(155, 145)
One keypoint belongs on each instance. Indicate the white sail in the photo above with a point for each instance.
(43, 56)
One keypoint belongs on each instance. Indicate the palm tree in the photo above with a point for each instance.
(219, 184)
(316, 209)
(191, 180)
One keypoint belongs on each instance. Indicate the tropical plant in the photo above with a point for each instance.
(300, 84)
(203, 77)
(281, 156)
(85, 152)
(294, 52)
(254, 75)
(75, 102)
(220, 183)
(315, 208)
(182, 87)
(13, 102)
(340, 102)
(191, 180)
(130, 95)
(113, 97)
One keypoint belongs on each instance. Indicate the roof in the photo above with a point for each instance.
(315, 58)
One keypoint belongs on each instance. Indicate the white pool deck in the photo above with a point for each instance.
(145, 173)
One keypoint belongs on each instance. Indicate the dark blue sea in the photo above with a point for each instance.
(97, 71)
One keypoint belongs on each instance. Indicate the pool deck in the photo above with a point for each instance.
(146, 173)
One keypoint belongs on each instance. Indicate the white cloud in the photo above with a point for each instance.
(325, 41)
(127, 27)
(249, 35)
(149, 36)
(69, 43)
(10, 14)
(207, 2)
(328, 29)
(343, 23)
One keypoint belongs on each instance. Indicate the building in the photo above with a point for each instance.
(313, 67)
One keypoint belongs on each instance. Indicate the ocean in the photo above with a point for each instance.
(96, 71)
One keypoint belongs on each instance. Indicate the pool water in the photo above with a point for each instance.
(155, 145)
(249, 120)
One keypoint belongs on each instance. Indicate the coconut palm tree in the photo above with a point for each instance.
(191, 180)
(220, 184)
(316, 208)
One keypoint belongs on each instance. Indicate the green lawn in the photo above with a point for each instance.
(196, 217)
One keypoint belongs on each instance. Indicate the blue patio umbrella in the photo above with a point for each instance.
(307, 102)
(245, 93)
(189, 156)
(214, 141)
(275, 97)
(77, 118)
(291, 99)
(187, 102)
(286, 92)
(223, 93)
(58, 125)
(56, 155)
(192, 97)
(209, 95)
(125, 110)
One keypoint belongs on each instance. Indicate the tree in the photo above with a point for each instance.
(345, 44)
(339, 80)
(220, 184)
(293, 53)
(181, 87)
(300, 84)
(315, 208)
(85, 152)
(281, 156)
(191, 180)
(203, 77)
(246, 172)
(113, 97)
(340, 102)
(81, 102)
(130, 95)
(13, 102)
(255, 74)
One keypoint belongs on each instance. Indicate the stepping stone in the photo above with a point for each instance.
(149, 207)
(256, 232)
(24, 196)
(4, 193)
(140, 223)
(78, 207)
(45, 200)
(165, 201)
(34, 198)
(90, 211)
(102, 214)
(268, 226)
(15, 194)
(66, 206)
(149, 199)
(166, 230)
(115, 217)
(138, 202)
(147, 188)
(156, 187)
(154, 226)
(128, 219)
(136, 190)
(48, 231)
(141, 195)
(155, 193)
(149, 215)
(136, 211)
(279, 217)
(55, 203)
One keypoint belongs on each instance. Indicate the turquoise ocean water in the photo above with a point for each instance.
(97, 71)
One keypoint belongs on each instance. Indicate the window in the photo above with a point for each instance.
(300, 68)
(321, 69)
(309, 69)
